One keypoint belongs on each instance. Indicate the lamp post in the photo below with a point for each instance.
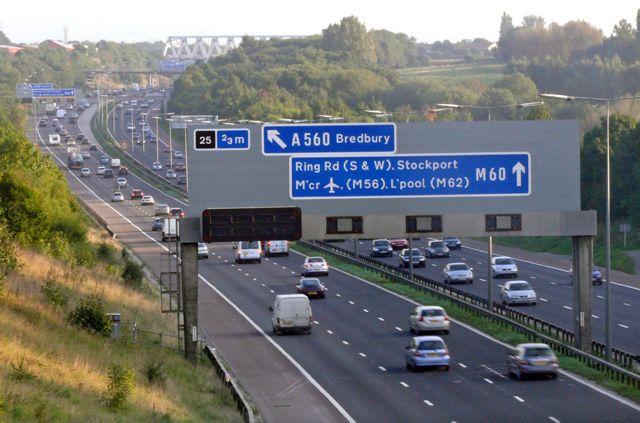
(607, 223)
(157, 119)
(490, 241)
(144, 123)
(131, 130)
(170, 120)
(186, 154)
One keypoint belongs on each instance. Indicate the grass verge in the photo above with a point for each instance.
(52, 371)
(502, 333)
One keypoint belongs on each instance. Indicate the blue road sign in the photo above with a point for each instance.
(63, 92)
(414, 175)
(327, 138)
(44, 86)
(221, 139)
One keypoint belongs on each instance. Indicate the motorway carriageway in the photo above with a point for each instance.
(356, 349)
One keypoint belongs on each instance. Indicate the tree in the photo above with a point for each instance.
(533, 22)
(624, 30)
(350, 37)
(4, 39)
(506, 37)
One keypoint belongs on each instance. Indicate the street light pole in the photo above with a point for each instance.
(144, 122)
(170, 151)
(157, 118)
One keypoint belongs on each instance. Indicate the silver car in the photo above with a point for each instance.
(457, 273)
(504, 266)
(532, 359)
(428, 318)
(518, 292)
(315, 266)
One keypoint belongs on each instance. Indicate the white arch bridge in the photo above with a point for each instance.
(204, 47)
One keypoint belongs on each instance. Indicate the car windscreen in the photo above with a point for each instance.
(432, 313)
(519, 287)
(504, 261)
(537, 352)
(431, 345)
(457, 267)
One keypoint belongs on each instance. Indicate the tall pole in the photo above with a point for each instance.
(186, 156)
(170, 151)
(144, 122)
(608, 247)
(157, 139)
(113, 123)
(490, 276)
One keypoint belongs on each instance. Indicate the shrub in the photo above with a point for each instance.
(55, 292)
(121, 384)
(154, 372)
(8, 257)
(90, 315)
(132, 274)
(106, 252)
(19, 371)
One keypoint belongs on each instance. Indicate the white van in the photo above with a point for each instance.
(115, 162)
(291, 313)
(54, 139)
(276, 248)
(247, 251)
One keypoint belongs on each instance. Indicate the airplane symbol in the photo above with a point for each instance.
(331, 185)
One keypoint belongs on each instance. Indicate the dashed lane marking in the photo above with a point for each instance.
(381, 319)
(329, 332)
(518, 398)
(623, 326)
(429, 403)
(345, 342)
(594, 316)
(382, 368)
(489, 381)
(404, 384)
(567, 307)
(464, 366)
(363, 355)
(398, 329)
(365, 310)
(544, 299)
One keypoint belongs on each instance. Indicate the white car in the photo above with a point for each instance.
(457, 272)
(518, 292)
(503, 266)
(122, 182)
(85, 172)
(177, 154)
(117, 197)
(203, 251)
(428, 318)
(315, 265)
(171, 174)
(131, 127)
(147, 200)
(100, 170)
(157, 166)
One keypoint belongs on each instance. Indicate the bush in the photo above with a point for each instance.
(55, 292)
(106, 253)
(90, 315)
(121, 384)
(154, 371)
(19, 372)
(132, 274)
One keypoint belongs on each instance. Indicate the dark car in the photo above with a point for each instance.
(399, 243)
(417, 258)
(123, 171)
(80, 137)
(136, 193)
(108, 173)
(104, 160)
(437, 249)
(93, 147)
(176, 212)
(157, 224)
(452, 243)
(311, 287)
(181, 180)
(380, 248)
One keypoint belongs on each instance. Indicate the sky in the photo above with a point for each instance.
(426, 21)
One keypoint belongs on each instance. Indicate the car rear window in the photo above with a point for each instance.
(537, 352)
(504, 261)
(459, 267)
(431, 345)
(438, 244)
(316, 260)
(519, 287)
(311, 283)
(250, 245)
(432, 313)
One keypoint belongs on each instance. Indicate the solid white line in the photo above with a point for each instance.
(382, 368)
(518, 398)
(623, 326)
(567, 307)
(543, 299)
(462, 365)
(488, 381)
(429, 403)
(553, 419)
(404, 384)
(362, 354)
(284, 353)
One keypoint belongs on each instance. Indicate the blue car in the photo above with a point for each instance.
(426, 351)
(596, 275)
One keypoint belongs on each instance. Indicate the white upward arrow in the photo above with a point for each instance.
(518, 169)
(272, 136)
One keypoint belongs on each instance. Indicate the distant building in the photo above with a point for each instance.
(59, 44)
(10, 49)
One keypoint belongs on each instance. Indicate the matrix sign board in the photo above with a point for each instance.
(221, 139)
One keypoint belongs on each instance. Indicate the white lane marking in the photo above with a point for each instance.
(293, 273)
(594, 316)
(404, 384)
(381, 319)
(488, 381)
(345, 342)
(482, 280)
(232, 265)
(316, 322)
(570, 375)
(263, 284)
(623, 326)
(478, 262)
(338, 295)
(553, 419)
(365, 310)
(284, 267)
(532, 277)
(329, 332)
(382, 368)
(246, 274)
(553, 283)
(227, 261)
(627, 304)
(518, 398)
(362, 355)
(429, 403)
(272, 291)
(556, 268)
(495, 372)
(398, 329)
(434, 265)
(255, 279)
(464, 366)
(351, 302)
(543, 299)
(600, 296)
(567, 307)
(239, 269)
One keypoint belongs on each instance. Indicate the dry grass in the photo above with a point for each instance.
(51, 371)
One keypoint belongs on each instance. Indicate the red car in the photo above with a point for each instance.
(399, 244)
(176, 212)
(123, 170)
(136, 193)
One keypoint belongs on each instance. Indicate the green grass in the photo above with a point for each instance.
(562, 245)
(485, 72)
(503, 333)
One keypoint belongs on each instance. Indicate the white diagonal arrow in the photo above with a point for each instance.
(272, 136)
(518, 169)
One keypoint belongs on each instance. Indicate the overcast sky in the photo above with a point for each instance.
(427, 21)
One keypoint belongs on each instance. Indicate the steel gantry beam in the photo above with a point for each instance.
(204, 47)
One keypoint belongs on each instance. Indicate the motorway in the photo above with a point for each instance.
(553, 286)
(351, 366)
